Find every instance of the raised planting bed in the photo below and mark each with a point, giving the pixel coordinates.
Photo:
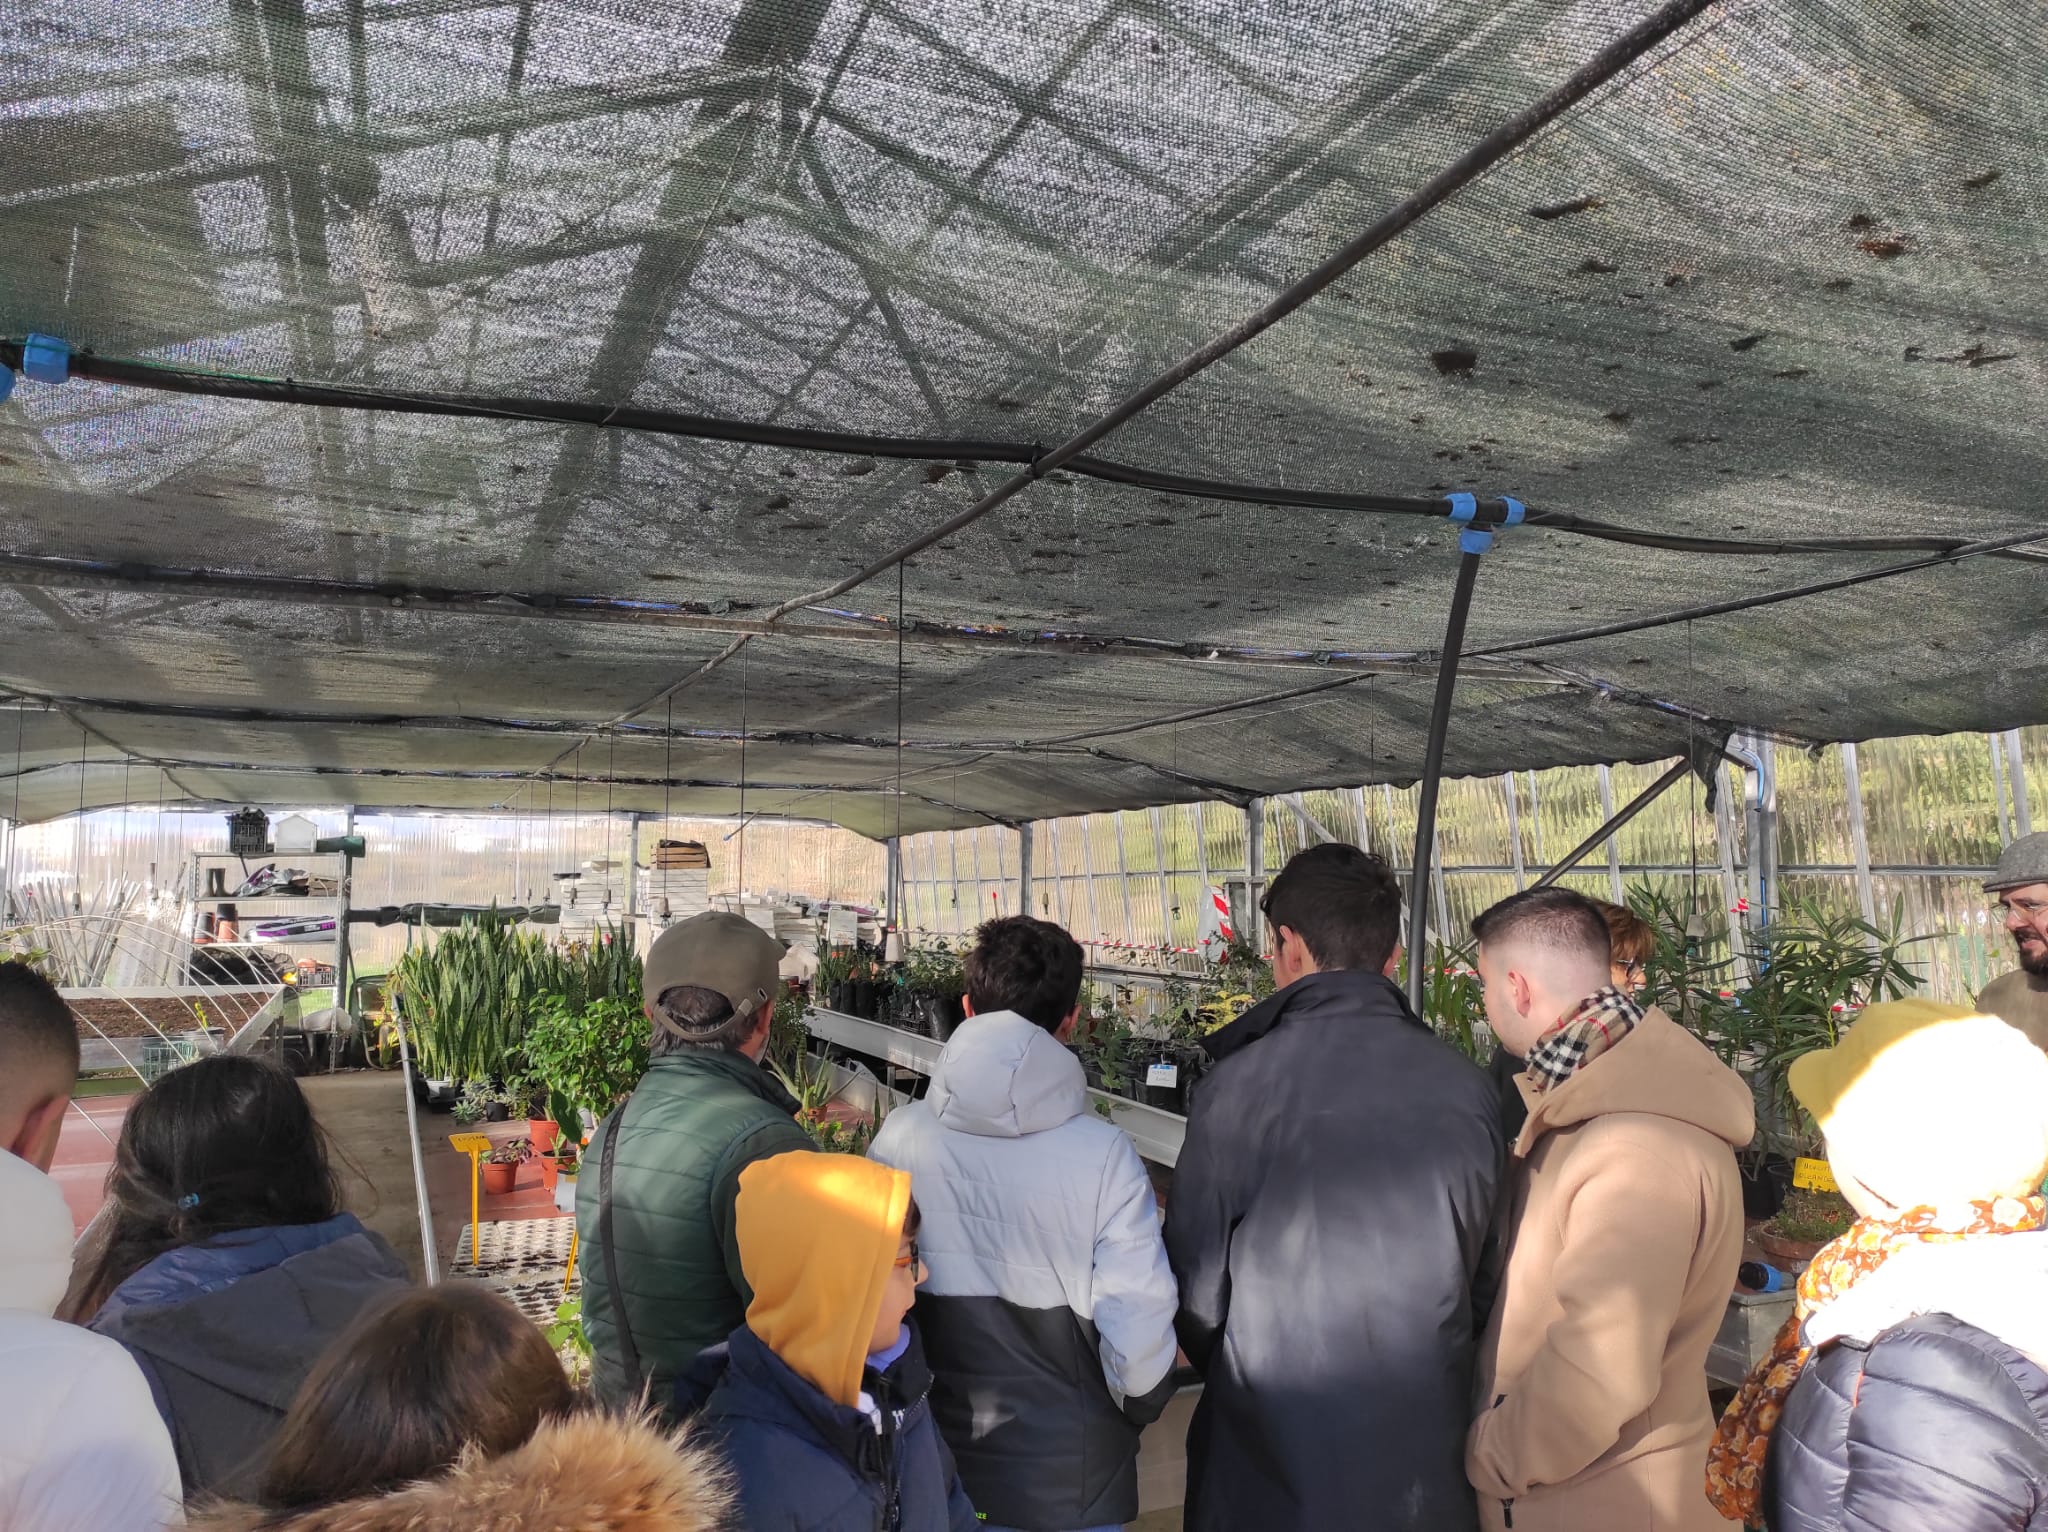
(108, 1014)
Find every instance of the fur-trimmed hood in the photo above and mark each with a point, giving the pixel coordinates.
(590, 1473)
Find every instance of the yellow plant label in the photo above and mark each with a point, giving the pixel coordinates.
(1813, 1176)
(469, 1143)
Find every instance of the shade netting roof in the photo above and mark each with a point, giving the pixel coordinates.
(1779, 282)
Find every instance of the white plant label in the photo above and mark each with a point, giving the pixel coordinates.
(1167, 1075)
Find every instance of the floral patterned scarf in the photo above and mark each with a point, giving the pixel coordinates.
(1735, 1462)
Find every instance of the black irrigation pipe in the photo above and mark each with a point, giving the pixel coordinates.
(1468, 167)
(1986, 548)
(962, 452)
(1433, 772)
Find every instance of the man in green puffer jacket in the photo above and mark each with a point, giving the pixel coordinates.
(654, 1206)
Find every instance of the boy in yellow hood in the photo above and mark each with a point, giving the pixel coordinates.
(818, 1401)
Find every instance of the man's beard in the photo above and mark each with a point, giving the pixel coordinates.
(2035, 959)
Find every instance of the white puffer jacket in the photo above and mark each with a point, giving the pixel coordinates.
(1048, 1314)
(84, 1447)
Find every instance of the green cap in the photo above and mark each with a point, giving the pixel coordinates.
(727, 954)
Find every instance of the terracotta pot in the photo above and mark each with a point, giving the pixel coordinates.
(1792, 1253)
(543, 1133)
(498, 1179)
(548, 1171)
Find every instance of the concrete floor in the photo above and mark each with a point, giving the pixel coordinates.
(364, 1115)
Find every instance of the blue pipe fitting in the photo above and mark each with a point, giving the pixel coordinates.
(46, 359)
(6, 383)
(1465, 513)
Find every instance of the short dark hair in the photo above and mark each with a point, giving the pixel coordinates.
(36, 1026)
(1554, 917)
(1343, 902)
(1029, 966)
(418, 1379)
(695, 1019)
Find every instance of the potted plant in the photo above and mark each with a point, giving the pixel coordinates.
(591, 1055)
(936, 978)
(468, 1109)
(1812, 972)
(829, 985)
(566, 1162)
(501, 1166)
(811, 1080)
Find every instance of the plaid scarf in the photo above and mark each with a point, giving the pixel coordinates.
(1735, 1461)
(1602, 1020)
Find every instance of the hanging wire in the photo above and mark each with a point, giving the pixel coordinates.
(741, 832)
(668, 773)
(896, 887)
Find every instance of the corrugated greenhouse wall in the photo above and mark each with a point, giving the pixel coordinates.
(1935, 813)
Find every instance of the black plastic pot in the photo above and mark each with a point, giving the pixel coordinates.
(1167, 1098)
(863, 1000)
(497, 1111)
(1766, 1182)
(839, 997)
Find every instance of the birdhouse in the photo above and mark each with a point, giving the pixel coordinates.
(294, 832)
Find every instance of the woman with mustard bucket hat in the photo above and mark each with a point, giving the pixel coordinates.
(1910, 1388)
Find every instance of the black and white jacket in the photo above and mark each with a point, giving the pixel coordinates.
(1048, 1315)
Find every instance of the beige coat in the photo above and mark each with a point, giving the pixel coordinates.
(1626, 1229)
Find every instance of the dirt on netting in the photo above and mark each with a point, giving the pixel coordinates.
(118, 1018)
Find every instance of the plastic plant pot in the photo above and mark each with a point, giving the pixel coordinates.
(544, 1134)
(499, 1179)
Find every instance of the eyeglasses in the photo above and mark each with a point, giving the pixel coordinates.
(2026, 909)
(912, 1260)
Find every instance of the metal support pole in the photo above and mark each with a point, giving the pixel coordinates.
(1309, 822)
(892, 898)
(1123, 880)
(1615, 821)
(1998, 797)
(1158, 821)
(1724, 840)
(1514, 803)
(1605, 773)
(1027, 833)
(2016, 784)
(632, 865)
(1255, 872)
(1859, 840)
(343, 884)
(1364, 819)
(1433, 772)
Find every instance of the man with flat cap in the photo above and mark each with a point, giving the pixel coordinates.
(654, 1205)
(2020, 883)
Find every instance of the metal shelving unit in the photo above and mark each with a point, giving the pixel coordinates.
(1157, 1134)
(252, 910)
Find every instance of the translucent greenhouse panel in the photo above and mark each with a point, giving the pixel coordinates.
(1930, 802)
(1471, 825)
(1966, 946)
(1813, 811)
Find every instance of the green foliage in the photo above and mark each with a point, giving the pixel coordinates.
(936, 972)
(590, 1057)
(467, 1110)
(567, 1329)
(515, 1151)
(1106, 1041)
(834, 967)
(1454, 1000)
(471, 997)
(810, 1078)
(1811, 972)
(1810, 1215)
(467, 996)
(787, 1034)
(841, 1137)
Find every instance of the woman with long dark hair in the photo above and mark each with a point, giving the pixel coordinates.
(229, 1263)
(442, 1407)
